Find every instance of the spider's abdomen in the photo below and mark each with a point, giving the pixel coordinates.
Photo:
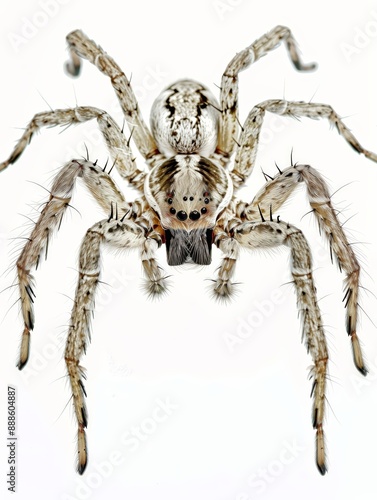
(184, 119)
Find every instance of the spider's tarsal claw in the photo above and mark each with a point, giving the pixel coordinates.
(72, 69)
(73, 66)
(322, 468)
(305, 67)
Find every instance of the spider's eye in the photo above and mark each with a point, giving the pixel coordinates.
(194, 215)
(172, 210)
(204, 210)
(170, 201)
(181, 215)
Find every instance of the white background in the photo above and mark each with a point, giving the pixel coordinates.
(236, 414)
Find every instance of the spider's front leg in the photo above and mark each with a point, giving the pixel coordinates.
(121, 234)
(268, 234)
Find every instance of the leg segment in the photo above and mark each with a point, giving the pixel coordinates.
(265, 234)
(229, 84)
(104, 191)
(275, 193)
(81, 46)
(246, 153)
(114, 138)
(230, 247)
(119, 234)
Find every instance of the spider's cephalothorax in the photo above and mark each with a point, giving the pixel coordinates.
(188, 191)
(187, 202)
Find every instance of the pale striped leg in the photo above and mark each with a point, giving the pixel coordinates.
(156, 282)
(228, 131)
(116, 142)
(224, 287)
(119, 234)
(248, 141)
(81, 46)
(267, 234)
(104, 191)
(270, 198)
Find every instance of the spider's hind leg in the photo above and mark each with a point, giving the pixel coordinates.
(117, 233)
(267, 234)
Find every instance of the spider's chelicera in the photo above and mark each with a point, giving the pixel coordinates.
(187, 202)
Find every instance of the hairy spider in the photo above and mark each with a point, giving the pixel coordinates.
(187, 202)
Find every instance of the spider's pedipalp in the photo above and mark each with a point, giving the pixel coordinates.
(223, 288)
(156, 283)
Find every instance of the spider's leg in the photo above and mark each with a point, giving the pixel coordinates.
(276, 192)
(156, 281)
(119, 234)
(248, 141)
(103, 190)
(224, 287)
(253, 235)
(81, 46)
(116, 142)
(228, 131)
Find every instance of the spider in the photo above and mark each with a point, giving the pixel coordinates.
(187, 203)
